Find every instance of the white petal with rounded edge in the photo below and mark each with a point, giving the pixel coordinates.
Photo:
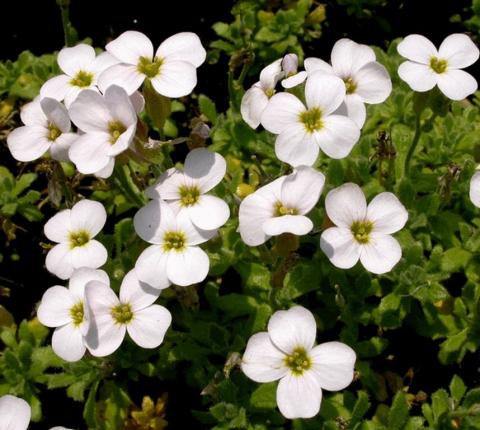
(419, 76)
(88, 215)
(28, 143)
(72, 60)
(456, 84)
(348, 57)
(282, 112)
(188, 267)
(417, 48)
(270, 75)
(355, 109)
(459, 50)
(89, 152)
(15, 413)
(167, 186)
(333, 364)
(302, 189)
(206, 167)
(56, 87)
(59, 261)
(373, 83)
(313, 64)
(130, 46)
(338, 136)
(294, 80)
(262, 360)
(151, 267)
(254, 102)
(60, 147)
(54, 309)
(67, 343)
(93, 254)
(119, 104)
(175, 79)
(149, 326)
(90, 113)
(123, 75)
(32, 113)
(296, 147)
(81, 277)
(57, 228)
(138, 294)
(102, 62)
(387, 213)
(183, 46)
(299, 396)
(151, 221)
(56, 113)
(123, 142)
(346, 204)
(73, 92)
(138, 102)
(325, 91)
(381, 254)
(340, 247)
(475, 189)
(292, 329)
(107, 171)
(209, 213)
(295, 224)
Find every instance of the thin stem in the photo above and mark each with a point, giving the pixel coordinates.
(413, 145)
(67, 25)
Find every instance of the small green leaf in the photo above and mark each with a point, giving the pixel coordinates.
(398, 413)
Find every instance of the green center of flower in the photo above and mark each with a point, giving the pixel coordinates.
(188, 195)
(361, 231)
(312, 119)
(78, 238)
(438, 65)
(115, 129)
(82, 79)
(122, 314)
(280, 210)
(298, 361)
(350, 85)
(148, 67)
(76, 312)
(53, 132)
(174, 241)
(269, 92)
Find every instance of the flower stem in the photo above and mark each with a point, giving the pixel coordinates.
(68, 30)
(413, 145)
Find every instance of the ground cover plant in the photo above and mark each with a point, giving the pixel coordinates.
(270, 225)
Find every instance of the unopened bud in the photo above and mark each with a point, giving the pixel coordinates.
(290, 64)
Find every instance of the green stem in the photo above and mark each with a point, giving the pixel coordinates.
(413, 145)
(127, 187)
(67, 25)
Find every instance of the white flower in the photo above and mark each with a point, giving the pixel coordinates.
(174, 256)
(73, 230)
(63, 308)
(475, 189)
(280, 206)
(15, 413)
(302, 131)
(172, 70)
(366, 80)
(47, 128)
(428, 67)
(186, 191)
(110, 318)
(109, 123)
(363, 232)
(290, 69)
(256, 99)
(286, 352)
(81, 69)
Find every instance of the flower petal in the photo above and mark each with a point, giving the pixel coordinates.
(355, 109)
(373, 83)
(418, 76)
(338, 136)
(151, 267)
(90, 151)
(381, 254)
(254, 102)
(130, 46)
(56, 113)
(346, 204)
(262, 360)
(90, 113)
(348, 57)
(188, 267)
(149, 326)
(151, 221)
(302, 189)
(295, 224)
(88, 215)
(183, 46)
(28, 143)
(195, 235)
(296, 147)
(270, 75)
(57, 228)
(123, 142)
(456, 84)
(32, 113)
(475, 189)
(102, 62)
(292, 329)
(175, 79)
(282, 112)
(123, 75)
(93, 254)
(209, 213)
(325, 91)
(60, 147)
(313, 64)
(294, 80)
(72, 60)
(54, 309)
(15, 413)
(459, 51)
(417, 48)
(119, 104)
(106, 171)
(206, 167)
(138, 294)
(333, 364)
(81, 277)
(67, 343)
(59, 261)
(167, 186)
(56, 87)
(340, 247)
(387, 213)
(299, 396)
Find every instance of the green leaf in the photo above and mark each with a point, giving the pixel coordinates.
(398, 413)
(440, 403)
(158, 107)
(23, 183)
(455, 259)
(360, 409)
(265, 396)
(207, 107)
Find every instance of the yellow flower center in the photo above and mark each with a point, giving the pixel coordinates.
(361, 231)
(312, 120)
(438, 65)
(78, 238)
(174, 241)
(298, 361)
(115, 129)
(76, 312)
(280, 210)
(122, 314)
(188, 195)
(269, 92)
(82, 79)
(350, 85)
(53, 132)
(148, 67)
